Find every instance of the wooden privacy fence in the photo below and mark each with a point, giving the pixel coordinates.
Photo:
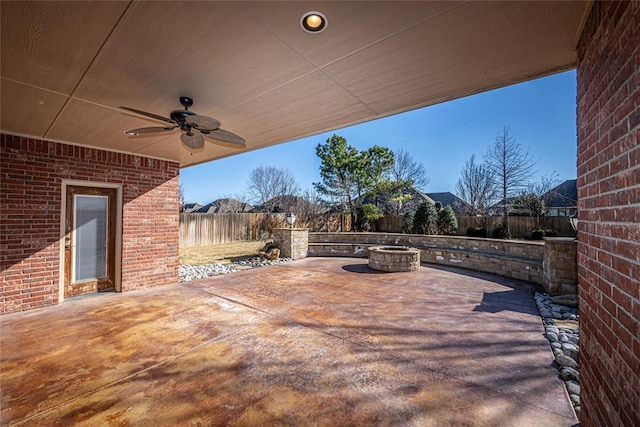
(197, 229)
(518, 225)
(209, 229)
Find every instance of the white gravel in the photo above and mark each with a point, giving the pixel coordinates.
(192, 272)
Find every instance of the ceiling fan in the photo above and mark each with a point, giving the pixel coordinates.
(192, 125)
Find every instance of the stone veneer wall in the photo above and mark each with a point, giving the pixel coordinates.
(518, 259)
(609, 214)
(292, 242)
(31, 175)
(523, 249)
(560, 265)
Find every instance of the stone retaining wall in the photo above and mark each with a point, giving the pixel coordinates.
(523, 260)
(516, 248)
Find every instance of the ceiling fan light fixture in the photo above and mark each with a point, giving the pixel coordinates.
(313, 22)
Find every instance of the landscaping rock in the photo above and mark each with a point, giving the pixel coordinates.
(193, 272)
(570, 350)
(573, 387)
(568, 374)
(566, 362)
(570, 300)
(575, 399)
(552, 337)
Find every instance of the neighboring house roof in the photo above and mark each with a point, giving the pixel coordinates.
(225, 206)
(288, 203)
(190, 207)
(412, 204)
(563, 196)
(449, 199)
(496, 209)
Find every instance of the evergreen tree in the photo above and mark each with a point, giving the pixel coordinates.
(425, 220)
(348, 175)
(447, 221)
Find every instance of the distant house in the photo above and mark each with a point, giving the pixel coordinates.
(288, 203)
(190, 207)
(496, 209)
(401, 207)
(562, 200)
(225, 206)
(559, 201)
(418, 197)
(449, 199)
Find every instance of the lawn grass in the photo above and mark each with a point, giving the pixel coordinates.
(222, 253)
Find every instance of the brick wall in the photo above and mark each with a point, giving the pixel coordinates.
(31, 175)
(609, 214)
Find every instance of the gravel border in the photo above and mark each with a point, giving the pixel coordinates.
(193, 272)
(564, 343)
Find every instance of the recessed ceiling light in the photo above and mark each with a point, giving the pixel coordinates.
(313, 22)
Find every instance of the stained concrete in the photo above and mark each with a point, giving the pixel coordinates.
(316, 341)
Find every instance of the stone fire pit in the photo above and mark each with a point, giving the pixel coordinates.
(394, 258)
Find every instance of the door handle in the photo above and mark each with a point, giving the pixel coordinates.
(67, 242)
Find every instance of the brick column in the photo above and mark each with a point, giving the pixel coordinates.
(292, 242)
(560, 265)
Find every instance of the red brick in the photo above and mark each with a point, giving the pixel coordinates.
(608, 178)
(30, 194)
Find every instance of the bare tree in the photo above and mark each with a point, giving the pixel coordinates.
(313, 203)
(406, 174)
(511, 168)
(267, 182)
(543, 186)
(475, 187)
(406, 169)
(182, 197)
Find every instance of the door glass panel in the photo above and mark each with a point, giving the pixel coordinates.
(90, 222)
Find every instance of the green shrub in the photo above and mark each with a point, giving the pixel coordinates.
(447, 221)
(407, 222)
(500, 232)
(551, 233)
(476, 232)
(367, 213)
(425, 220)
(537, 234)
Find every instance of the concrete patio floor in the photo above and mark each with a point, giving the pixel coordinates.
(318, 341)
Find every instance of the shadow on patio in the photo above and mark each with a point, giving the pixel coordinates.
(308, 342)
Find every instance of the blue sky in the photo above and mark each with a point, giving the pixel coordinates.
(541, 115)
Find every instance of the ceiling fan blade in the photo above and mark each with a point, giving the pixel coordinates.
(203, 122)
(192, 140)
(153, 116)
(134, 132)
(225, 136)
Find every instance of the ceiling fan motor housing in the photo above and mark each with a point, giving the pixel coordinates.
(179, 115)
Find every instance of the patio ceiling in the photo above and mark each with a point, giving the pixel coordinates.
(67, 66)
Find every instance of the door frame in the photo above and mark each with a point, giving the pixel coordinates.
(118, 230)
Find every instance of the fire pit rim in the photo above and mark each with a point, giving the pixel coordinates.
(392, 249)
(394, 258)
